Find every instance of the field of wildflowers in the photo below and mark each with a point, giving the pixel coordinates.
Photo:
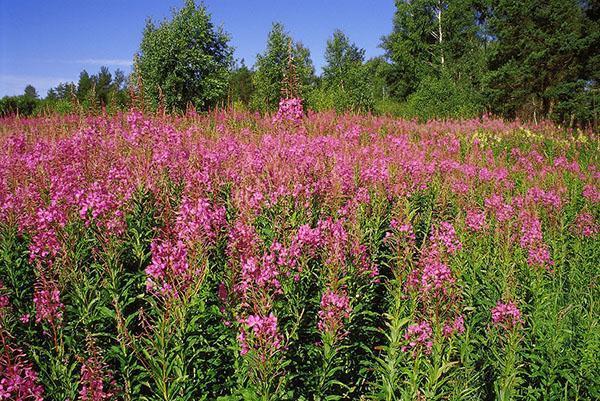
(233, 256)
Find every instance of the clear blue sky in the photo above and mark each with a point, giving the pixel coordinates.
(44, 42)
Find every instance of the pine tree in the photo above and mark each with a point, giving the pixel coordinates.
(30, 92)
(84, 85)
(103, 85)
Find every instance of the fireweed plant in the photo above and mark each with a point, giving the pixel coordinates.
(297, 256)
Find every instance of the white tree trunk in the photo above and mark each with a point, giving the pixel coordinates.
(440, 32)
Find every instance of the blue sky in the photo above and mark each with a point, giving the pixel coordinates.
(44, 42)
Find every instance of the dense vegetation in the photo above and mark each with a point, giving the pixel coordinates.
(526, 59)
(231, 256)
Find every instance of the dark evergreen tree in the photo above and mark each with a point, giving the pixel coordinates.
(84, 85)
(540, 60)
(241, 86)
(30, 92)
(103, 85)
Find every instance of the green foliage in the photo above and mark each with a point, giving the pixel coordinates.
(92, 94)
(352, 94)
(57, 106)
(442, 98)
(341, 57)
(84, 85)
(63, 91)
(346, 83)
(271, 66)
(539, 60)
(184, 61)
(519, 58)
(430, 37)
(241, 87)
(30, 92)
(22, 105)
(378, 71)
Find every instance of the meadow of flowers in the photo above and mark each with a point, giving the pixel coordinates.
(233, 256)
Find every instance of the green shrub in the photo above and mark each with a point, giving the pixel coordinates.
(442, 98)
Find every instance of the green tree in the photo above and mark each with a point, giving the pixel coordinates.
(118, 90)
(378, 70)
(345, 83)
(30, 92)
(62, 91)
(119, 82)
(341, 56)
(84, 85)
(271, 67)
(434, 36)
(184, 60)
(241, 86)
(103, 85)
(443, 97)
(544, 61)
(23, 105)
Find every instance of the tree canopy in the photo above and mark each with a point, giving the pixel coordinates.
(271, 66)
(185, 60)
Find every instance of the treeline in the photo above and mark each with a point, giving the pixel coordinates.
(92, 93)
(523, 59)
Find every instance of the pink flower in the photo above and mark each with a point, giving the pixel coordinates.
(446, 236)
(18, 380)
(432, 278)
(307, 238)
(169, 266)
(475, 220)
(531, 231)
(243, 241)
(92, 380)
(335, 308)
(4, 302)
(455, 327)
(591, 193)
(46, 298)
(257, 273)
(532, 241)
(335, 241)
(495, 204)
(199, 220)
(289, 110)
(44, 244)
(585, 225)
(435, 276)
(419, 338)
(402, 231)
(259, 333)
(539, 256)
(506, 315)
